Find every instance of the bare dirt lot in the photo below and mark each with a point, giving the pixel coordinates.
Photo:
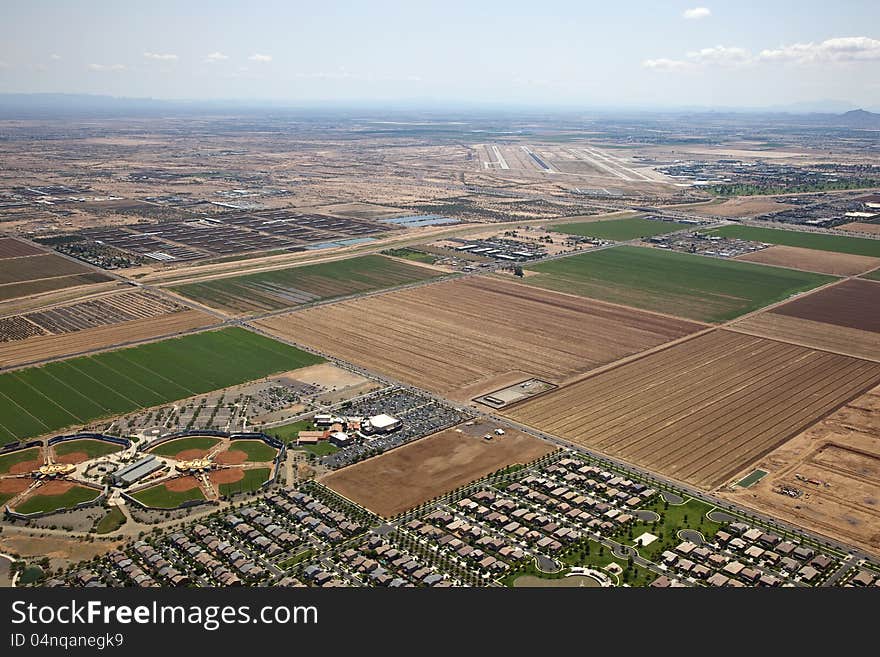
(405, 477)
(824, 262)
(704, 409)
(841, 457)
(60, 550)
(817, 335)
(55, 346)
(852, 304)
(448, 336)
(858, 227)
(13, 248)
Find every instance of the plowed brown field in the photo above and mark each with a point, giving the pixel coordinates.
(447, 336)
(704, 409)
(824, 262)
(853, 304)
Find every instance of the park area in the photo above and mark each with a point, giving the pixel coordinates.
(405, 477)
(77, 451)
(681, 284)
(55, 495)
(186, 449)
(284, 288)
(170, 494)
(39, 400)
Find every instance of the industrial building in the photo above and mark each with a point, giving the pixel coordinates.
(129, 474)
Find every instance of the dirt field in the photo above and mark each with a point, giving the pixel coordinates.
(448, 336)
(27, 466)
(60, 550)
(859, 227)
(73, 457)
(853, 304)
(824, 262)
(55, 346)
(181, 484)
(191, 455)
(747, 206)
(840, 453)
(13, 248)
(704, 409)
(54, 488)
(817, 335)
(407, 476)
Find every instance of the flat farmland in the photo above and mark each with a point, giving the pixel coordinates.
(824, 262)
(13, 248)
(820, 241)
(852, 304)
(453, 334)
(44, 347)
(284, 288)
(817, 335)
(842, 451)
(858, 227)
(37, 400)
(692, 286)
(704, 409)
(620, 229)
(39, 286)
(415, 473)
(18, 270)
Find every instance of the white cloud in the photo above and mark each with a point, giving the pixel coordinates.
(161, 57)
(257, 57)
(721, 56)
(101, 68)
(215, 57)
(840, 49)
(55, 58)
(667, 65)
(696, 13)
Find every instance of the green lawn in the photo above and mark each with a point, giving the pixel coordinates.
(172, 447)
(290, 431)
(690, 515)
(253, 479)
(257, 451)
(30, 575)
(160, 497)
(93, 448)
(294, 286)
(39, 400)
(873, 275)
(111, 522)
(752, 478)
(21, 456)
(620, 230)
(66, 500)
(596, 556)
(323, 448)
(691, 286)
(817, 241)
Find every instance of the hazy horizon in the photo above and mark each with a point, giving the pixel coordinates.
(560, 54)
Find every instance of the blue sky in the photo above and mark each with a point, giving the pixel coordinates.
(547, 52)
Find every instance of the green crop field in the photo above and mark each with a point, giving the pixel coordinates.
(817, 241)
(620, 230)
(21, 456)
(70, 498)
(252, 480)
(173, 447)
(39, 400)
(92, 448)
(257, 451)
(284, 288)
(691, 286)
(159, 497)
(412, 254)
